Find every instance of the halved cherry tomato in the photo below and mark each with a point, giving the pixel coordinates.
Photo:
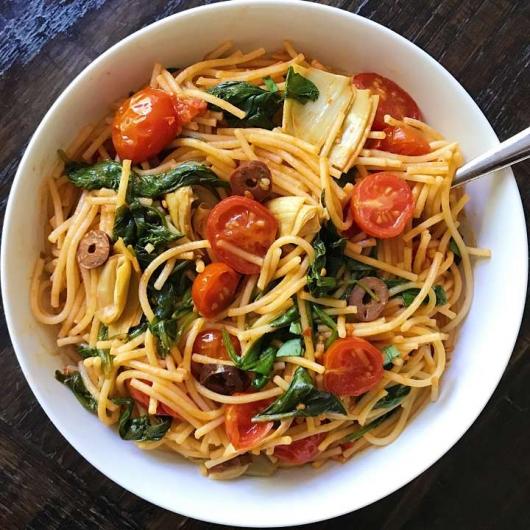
(402, 141)
(301, 451)
(240, 429)
(381, 204)
(147, 121)
(393, 99)
(143, 400)
(210, 343)
(242, 223)
(353, 366)
(214, 289)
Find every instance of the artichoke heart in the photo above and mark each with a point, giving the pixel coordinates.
(296, 216)
(113, 288)
(179, 205)
(315, 120)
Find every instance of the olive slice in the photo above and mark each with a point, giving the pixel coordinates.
(370, 296)
(252, 179)
(223, 379)
(93, 250)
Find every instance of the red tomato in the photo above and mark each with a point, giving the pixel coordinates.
(403, 141)
(353, 366)
(241, 431)
(393, 99)
(245, 224)
(381, 204)
(301, 451)
(143, 400)
(214, 289)
(210, 343)
(146, 122)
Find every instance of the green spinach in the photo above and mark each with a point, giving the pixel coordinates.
(395, 395)
(301, 399)
(390, 353)
(260, 105)
(367, 428)
(104, 354)
(107, 174)
(140, 429)
(75, 383)
(291, 348)
(300, 88)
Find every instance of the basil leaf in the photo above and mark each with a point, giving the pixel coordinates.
(390, 353)
(295, 328)
(395, 395)
(75, 383)
(320, 314)
(260, 105)
(291, 348)
(300, 88)
(270, 84)
(141, 429)
(363, 430)
(301, 399)
(317, 284)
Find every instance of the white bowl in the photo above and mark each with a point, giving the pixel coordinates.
(486, 339)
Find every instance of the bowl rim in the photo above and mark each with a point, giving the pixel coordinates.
(300, 517)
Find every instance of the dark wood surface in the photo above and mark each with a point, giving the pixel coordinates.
(483, 482)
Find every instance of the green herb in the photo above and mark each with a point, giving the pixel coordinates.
(291, 348)
(143, 428)
(320, 314)
(258, 359)
(143, 227)
(390, 353)
(299, 87)
(318, 284)
(75, 383)
(301, 399)
(290, 316)
(453, 247)
(259, 105)
(395, 395)
(170, 304)
(104, 354)
(409, 295)
(270, 84)
(107, 174)
(295, 328)
(136, 331)
(363, 430)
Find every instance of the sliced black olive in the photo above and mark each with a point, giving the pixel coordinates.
(252, 179)
(223, 379)
(370, 296)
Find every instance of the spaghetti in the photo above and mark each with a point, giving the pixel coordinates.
(316, 327)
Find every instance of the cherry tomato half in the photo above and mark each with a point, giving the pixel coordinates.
(147, 121)
(353, 366)
(242, 223)
(403, 141)
(214, 289)
(143, 400)
(240, 429)
(382, 204)
(393, 99)
(301, 451)
(210, 343)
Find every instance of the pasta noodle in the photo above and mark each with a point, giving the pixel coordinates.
(170, 373)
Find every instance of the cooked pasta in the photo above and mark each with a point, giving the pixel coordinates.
(263, 269)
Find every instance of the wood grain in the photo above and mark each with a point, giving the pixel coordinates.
(482, 483)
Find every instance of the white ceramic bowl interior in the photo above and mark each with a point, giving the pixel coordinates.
(299, 496)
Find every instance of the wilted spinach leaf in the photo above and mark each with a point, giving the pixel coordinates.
(395, 395)
(74, 382)
(366, 428)
(299, 87)
(143, 428)
(301, 399)
(260, 105)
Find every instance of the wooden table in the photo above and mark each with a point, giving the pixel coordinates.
(483, 482)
